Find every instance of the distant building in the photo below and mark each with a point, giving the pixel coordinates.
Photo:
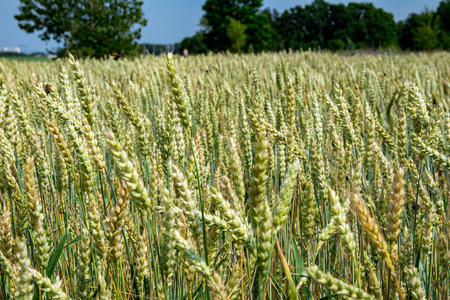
(10, 49)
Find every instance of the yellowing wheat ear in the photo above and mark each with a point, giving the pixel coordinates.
(377, 240)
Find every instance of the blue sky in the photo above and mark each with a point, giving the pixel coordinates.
(169, 21)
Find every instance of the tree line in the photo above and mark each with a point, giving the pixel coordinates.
(97, 28)
(242, 26)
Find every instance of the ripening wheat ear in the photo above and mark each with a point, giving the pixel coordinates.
(128, 173)
(179, 94)
(168, 241)
(339, 212)
(9, 271)
(36, 215)
(116, 220)
(187, 202)
(3, 95)
(240, 230)
(284, 201)
(372, 229)
(418, 109)
(83, 274)
(395, 216)
(258, 188)
(24, 289)
(308, 206)
(337, 286)
(86, 98)
(94, 149)
(136, 118)
(52, 288)
(217, 287)
(260, 214)
(236, 171)
(95, 223)
(194, 259)
(6, 239)
(415, 284)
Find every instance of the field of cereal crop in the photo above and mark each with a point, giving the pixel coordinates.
(275, 176)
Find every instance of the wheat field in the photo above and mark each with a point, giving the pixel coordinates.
(272, 176)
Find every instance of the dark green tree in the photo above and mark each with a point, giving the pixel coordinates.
(443, 12)
(323, 25)
(86, 27)
(314, 23)
(288, 26)
(303, 28)
(339, 29)
(195, 44)
(405, 31)
(217, 17)
(371, 27)
(273, 40)
(426, 35)
(420, 31)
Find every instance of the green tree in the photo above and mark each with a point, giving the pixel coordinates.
(236, 34)
(288, 26)
(335, 26)
(303, 27)
(216, 20)
(273, 40)
(372, 27)
(195, 44)
(339, 28)
(86, 27)
(443, 12)
(422, 32)
(406, 31)
(426, 33)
